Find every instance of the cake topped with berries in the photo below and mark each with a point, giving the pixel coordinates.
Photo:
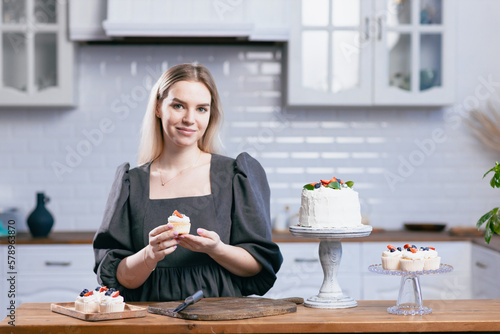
(330, 204)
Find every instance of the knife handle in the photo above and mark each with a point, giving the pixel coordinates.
(197, 296)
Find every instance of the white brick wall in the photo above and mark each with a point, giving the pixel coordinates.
(296, 146)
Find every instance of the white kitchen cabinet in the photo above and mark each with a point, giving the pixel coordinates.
(301, 274)
(36, 56)
(255, 20)
(365, 52)
(53, 273)
(485, 267)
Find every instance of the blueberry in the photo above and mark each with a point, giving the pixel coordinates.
(413, 246)
(399, 249)
(426, 248)
(392, 250)
(112, 289)
(108, 293)
(98, 288)
(409, 249)
(83, 292)
(317, 185)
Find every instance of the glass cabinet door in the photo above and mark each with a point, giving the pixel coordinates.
(34, 48)
(411, 51)
(330, 53)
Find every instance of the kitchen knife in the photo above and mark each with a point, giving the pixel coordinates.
(189, 300)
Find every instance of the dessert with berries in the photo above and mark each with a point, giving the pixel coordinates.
(432, 260)
(87, 302)
(330, 204)
(181, 222)
(111, 302)
(412, 258)
(99, 291)
(391, 257)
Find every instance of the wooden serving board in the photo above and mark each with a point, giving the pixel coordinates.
(226, 308)
(130, 311)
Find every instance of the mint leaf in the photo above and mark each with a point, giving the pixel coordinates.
(309, 187)
(350, 184)
(334, 185)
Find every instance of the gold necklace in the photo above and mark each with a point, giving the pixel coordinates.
(163, 183)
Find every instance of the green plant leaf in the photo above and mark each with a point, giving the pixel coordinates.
(350, 184)
(484, 218)
(488, 234)
(334, 185)
(491, 170)
(309, 187)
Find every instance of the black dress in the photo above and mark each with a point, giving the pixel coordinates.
(237, 209)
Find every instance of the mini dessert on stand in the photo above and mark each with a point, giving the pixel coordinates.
(391, 257)
(410, 258)
(330, 211)
(181, 222)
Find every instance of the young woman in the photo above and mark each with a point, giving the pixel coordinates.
(227, 200)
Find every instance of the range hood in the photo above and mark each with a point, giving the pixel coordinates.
(255, 20)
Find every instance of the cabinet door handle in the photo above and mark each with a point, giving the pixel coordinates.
(57, 263)
(306, 260)
(379, 32)
(481, 265)
(367, 28)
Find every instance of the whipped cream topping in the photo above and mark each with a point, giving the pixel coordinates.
(388, 253)
(88, 299)
(175, 219)
(419, 255)
(112, 300)
(430, 254)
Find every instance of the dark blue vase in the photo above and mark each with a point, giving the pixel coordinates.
(40, 221)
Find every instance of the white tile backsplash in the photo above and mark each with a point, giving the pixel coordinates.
(434, 180)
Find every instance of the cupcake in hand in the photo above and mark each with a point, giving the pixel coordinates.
(181, 222)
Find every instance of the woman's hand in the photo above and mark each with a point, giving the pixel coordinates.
(162, 242)
(207, 241)
(235, 259)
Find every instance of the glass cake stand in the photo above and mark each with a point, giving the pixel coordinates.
(330, 254)
(410, 294)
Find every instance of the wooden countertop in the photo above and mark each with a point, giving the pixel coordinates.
(86, 237)
(369, 316)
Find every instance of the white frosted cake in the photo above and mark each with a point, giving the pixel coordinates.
(330, 204)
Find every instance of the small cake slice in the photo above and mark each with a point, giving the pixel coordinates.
(432, 260)
(111, 302)
(87, 302)
(412, 259)
(391, 257)
(181, 222)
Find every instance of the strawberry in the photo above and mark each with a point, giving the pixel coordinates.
(90, 293)
(413, 250)
(103, 289)
(407, 246)
(432, 248)
(325, 182)
(176, 213)
(391, 247)
(115, 294)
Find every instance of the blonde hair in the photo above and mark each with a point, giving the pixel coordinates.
(151, 144)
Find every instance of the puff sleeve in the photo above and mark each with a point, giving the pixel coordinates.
(113, 241)
(251, 223)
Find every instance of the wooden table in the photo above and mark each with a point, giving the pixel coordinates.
(369, 316)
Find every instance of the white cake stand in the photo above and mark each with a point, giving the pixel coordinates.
(330, 254)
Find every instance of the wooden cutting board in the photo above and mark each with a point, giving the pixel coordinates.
(228, 308)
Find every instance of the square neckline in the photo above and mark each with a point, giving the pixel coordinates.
(184, 197)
